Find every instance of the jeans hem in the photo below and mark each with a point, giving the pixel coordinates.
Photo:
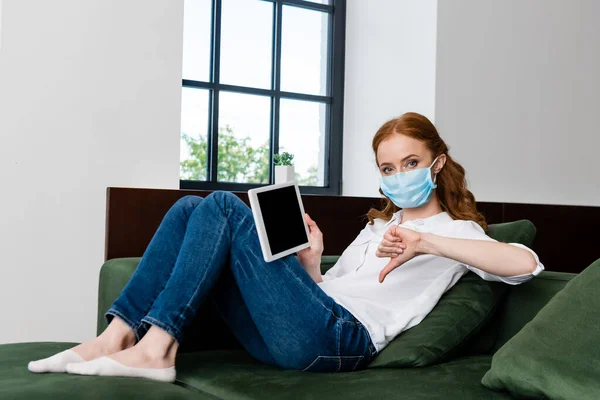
(115, 313)
(171, 331)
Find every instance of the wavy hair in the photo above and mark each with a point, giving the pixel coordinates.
(452, 192)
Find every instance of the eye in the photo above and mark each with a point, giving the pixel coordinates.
(385, 169)
(412, 163)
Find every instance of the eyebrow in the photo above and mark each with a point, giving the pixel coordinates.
(409, 156)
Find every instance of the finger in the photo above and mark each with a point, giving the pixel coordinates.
(311, 221)
(397, 233)
(385, 254)
(395, 245)
(311, 224)
(390, 249)
(387, 243)
(392, 238)
(315, 228)
(384, 244)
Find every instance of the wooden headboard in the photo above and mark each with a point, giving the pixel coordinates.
(563, 242)
(133, 216)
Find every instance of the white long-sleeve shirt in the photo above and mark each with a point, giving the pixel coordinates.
(410, 291)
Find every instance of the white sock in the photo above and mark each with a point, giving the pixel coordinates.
(56, 363)
(106, 366)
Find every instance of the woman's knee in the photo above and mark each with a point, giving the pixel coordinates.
(189, 200)
(226, 200)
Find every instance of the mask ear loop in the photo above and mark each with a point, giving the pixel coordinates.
(432, 164)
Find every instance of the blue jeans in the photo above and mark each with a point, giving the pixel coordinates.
(275, 309)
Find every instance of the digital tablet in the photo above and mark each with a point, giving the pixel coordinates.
(279, 217)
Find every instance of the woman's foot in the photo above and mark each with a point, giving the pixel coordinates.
(106, 366)
(104, 345)
(90, 350)
(133, 362)
(118, 336)
(153, 358)
(55, 363)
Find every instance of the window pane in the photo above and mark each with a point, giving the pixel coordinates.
(302, 132)
(246, 43)
(244, 128)
(196, 40)
(194, 134)
(328, 2)
(304, 51)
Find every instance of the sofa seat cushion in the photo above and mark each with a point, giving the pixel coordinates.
(234, 374)
(17, 383)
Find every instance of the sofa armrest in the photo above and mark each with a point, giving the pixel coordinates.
(208, 331)
(114, 275)
(524, 301)
(521, 305)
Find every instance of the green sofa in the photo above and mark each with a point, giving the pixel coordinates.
(212, 364)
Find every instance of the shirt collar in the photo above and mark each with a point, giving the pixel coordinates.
(429, 221)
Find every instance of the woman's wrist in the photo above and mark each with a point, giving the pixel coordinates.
(427, 244)
(314, 270)
(314, 265)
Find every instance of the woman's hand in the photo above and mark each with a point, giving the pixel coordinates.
(400, 244)
(310, 258)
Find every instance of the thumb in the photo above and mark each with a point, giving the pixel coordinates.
(386, 270)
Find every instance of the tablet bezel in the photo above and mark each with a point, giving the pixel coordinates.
(260, 226)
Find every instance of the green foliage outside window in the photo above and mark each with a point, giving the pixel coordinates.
(238, 160)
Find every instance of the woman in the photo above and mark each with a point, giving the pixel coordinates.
(285, 313)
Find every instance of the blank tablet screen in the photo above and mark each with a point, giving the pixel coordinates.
(283, 221)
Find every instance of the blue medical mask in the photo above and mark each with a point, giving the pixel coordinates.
(409, 189)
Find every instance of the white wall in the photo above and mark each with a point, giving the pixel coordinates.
(518, 97)
(390, 70)
(89, 98)
(0, 25)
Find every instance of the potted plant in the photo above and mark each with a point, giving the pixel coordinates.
(284, 167)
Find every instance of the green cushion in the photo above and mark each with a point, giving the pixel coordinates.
(458, 316)
(522, 231)
(557, 354)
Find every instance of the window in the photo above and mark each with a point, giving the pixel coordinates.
(262, 77)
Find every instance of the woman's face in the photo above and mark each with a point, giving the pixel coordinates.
(400, 153)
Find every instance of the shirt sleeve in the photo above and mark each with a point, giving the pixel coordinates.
(472, 230)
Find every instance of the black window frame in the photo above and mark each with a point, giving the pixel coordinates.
(334, 98)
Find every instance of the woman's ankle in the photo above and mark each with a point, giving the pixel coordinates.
(118, 335)
(158, 345)
(114, 343)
